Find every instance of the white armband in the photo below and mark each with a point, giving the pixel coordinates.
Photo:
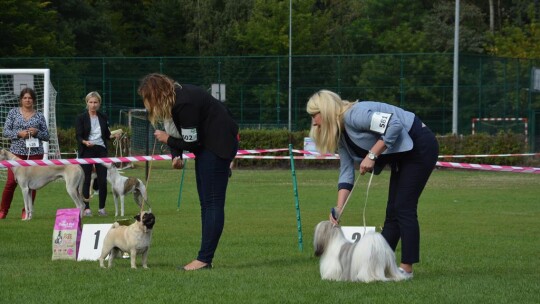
(379, 122)
(189, 135)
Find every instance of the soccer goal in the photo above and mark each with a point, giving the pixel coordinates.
(12, 81)
(492, 125)
(142, 141)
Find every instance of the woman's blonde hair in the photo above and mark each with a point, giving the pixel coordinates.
(157, 92)
(331, 108)
(92, 94)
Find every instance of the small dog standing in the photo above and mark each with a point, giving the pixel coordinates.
(134, 239)
(37, 177)
(122, 185)
(369, 259)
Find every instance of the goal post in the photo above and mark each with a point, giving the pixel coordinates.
(12, 81)
(492, 125)
(142, 139)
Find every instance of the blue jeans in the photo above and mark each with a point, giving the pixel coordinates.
(212, 175)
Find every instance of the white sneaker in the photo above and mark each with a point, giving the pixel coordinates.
(101, 212)
(407, 275)
(87, 212)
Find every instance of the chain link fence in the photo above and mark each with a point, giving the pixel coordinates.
(256, 89)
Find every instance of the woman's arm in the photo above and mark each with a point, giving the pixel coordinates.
(42, 130)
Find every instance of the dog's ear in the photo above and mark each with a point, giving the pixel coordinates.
(137, 217)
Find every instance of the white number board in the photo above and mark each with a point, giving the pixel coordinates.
(352, 233)
(92, 241)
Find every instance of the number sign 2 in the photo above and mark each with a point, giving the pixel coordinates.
(92, 241)
(352, 233)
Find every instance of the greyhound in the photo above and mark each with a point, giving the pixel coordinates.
(37, 177)
(122, 185)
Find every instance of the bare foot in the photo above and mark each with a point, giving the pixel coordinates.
(196, 265)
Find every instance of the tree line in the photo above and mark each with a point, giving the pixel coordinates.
(110, 28)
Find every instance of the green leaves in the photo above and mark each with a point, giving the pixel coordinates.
(29, 28)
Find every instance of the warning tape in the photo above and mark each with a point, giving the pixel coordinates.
(489, 155)
(245, 154)
(80, 161)
(489, 167)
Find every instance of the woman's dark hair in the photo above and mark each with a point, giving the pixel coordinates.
(28, 91)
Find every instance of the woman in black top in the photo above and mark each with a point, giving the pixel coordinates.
(92, 131)
(197, 122)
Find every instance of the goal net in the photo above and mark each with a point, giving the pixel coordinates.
(12, 81)
(142, 141)
(494, 125)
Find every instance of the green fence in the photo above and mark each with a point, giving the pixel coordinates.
(257, 88)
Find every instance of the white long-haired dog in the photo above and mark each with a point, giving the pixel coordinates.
(369, 259)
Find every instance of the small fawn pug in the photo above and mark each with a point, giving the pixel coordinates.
(134, 239)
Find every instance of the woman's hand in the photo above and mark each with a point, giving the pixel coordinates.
(366, 165)
(177, 163)
(32, 131)
(334, 215)
(161, 136)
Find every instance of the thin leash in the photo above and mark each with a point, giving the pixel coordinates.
(347, 200)
(29, 148)
(118, 144)
(145, 197)
(365, 203)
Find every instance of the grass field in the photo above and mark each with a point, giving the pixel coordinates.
(479, 243)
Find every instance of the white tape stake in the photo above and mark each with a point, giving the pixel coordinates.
(92, 241)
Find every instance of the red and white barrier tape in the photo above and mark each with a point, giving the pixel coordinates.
(489, 155)
(489, 167)
(81, 161)
(244, 154)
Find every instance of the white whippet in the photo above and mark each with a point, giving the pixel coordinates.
(123, 185)
(37, 177)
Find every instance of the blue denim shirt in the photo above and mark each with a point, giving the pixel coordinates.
(358, 122)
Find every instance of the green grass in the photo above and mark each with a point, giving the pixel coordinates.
(479, 244)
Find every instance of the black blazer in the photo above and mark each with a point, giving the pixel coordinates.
(217, 131)
(83, 128)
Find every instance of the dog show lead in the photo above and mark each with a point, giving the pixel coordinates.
(373, 134)
(195, 121)
(27, 130)
(93, 133)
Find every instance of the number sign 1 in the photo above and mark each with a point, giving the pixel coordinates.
(92, 241)
(352, 233)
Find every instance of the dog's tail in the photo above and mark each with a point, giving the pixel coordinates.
(140, 195)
